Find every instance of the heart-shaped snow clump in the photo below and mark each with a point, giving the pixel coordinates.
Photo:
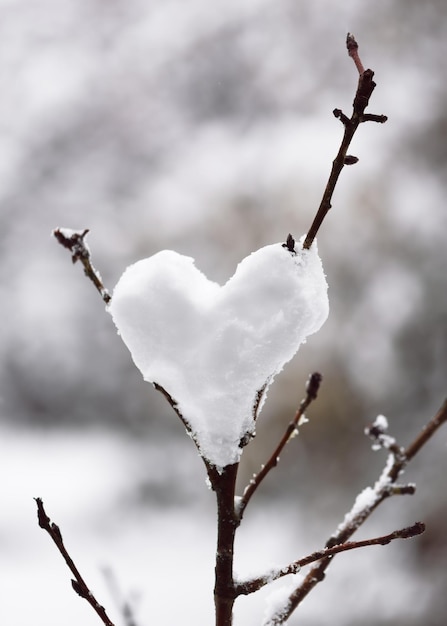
(213, 348)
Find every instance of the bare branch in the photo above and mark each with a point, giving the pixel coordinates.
(78, 583)
(255, 584)
(75, 242)
(427, 432)
(364, 91)
(353, 51)
(312, 387)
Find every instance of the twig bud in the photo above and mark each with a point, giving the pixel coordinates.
(350, 159)
(290, 244)
(313, 385)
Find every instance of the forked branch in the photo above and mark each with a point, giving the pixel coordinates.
(364, 91)
(363, 507)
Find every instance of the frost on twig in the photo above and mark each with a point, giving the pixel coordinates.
(365, 504)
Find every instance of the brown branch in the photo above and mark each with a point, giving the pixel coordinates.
(75, 242)
(78, 583)
(427, 432)
(224, 484)
(255, 584)
(384, 488)
(312, 387)
(364, 91)
(353, 51)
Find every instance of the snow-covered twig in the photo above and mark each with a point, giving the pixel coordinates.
(366, 502)
(312, 387)
(78, 583)
(255, 584)
(364, 91)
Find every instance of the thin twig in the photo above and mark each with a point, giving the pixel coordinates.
(365, 88)
(78, 583)
(384, 488)
(312, 387)
(123, 604)
(75, 242)
(427, 432)
(250, 586)
(353, 51)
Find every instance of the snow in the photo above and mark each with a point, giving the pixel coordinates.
(303, 420)
(381, 423)
(277, 600)
(367, 499)
(215, 349)
(381, 439)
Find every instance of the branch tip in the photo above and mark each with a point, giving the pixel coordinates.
(353, 48)
(78, 583)
(42, 517)
(290, 244)
(351, 43)
(313, 385)
(73, 240)
(371, 117)
(412, 531)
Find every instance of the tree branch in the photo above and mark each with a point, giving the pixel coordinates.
(250, 586)
(78, 583)
(224, 485)
(426, 433)
(364, 91)
(75, 242)
(312, 387)
(363, 507)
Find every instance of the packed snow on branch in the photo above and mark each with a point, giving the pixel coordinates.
(215, 348)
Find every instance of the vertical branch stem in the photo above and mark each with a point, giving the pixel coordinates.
(224, 591)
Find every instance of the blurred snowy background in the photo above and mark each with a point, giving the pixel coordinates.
(207, 128)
